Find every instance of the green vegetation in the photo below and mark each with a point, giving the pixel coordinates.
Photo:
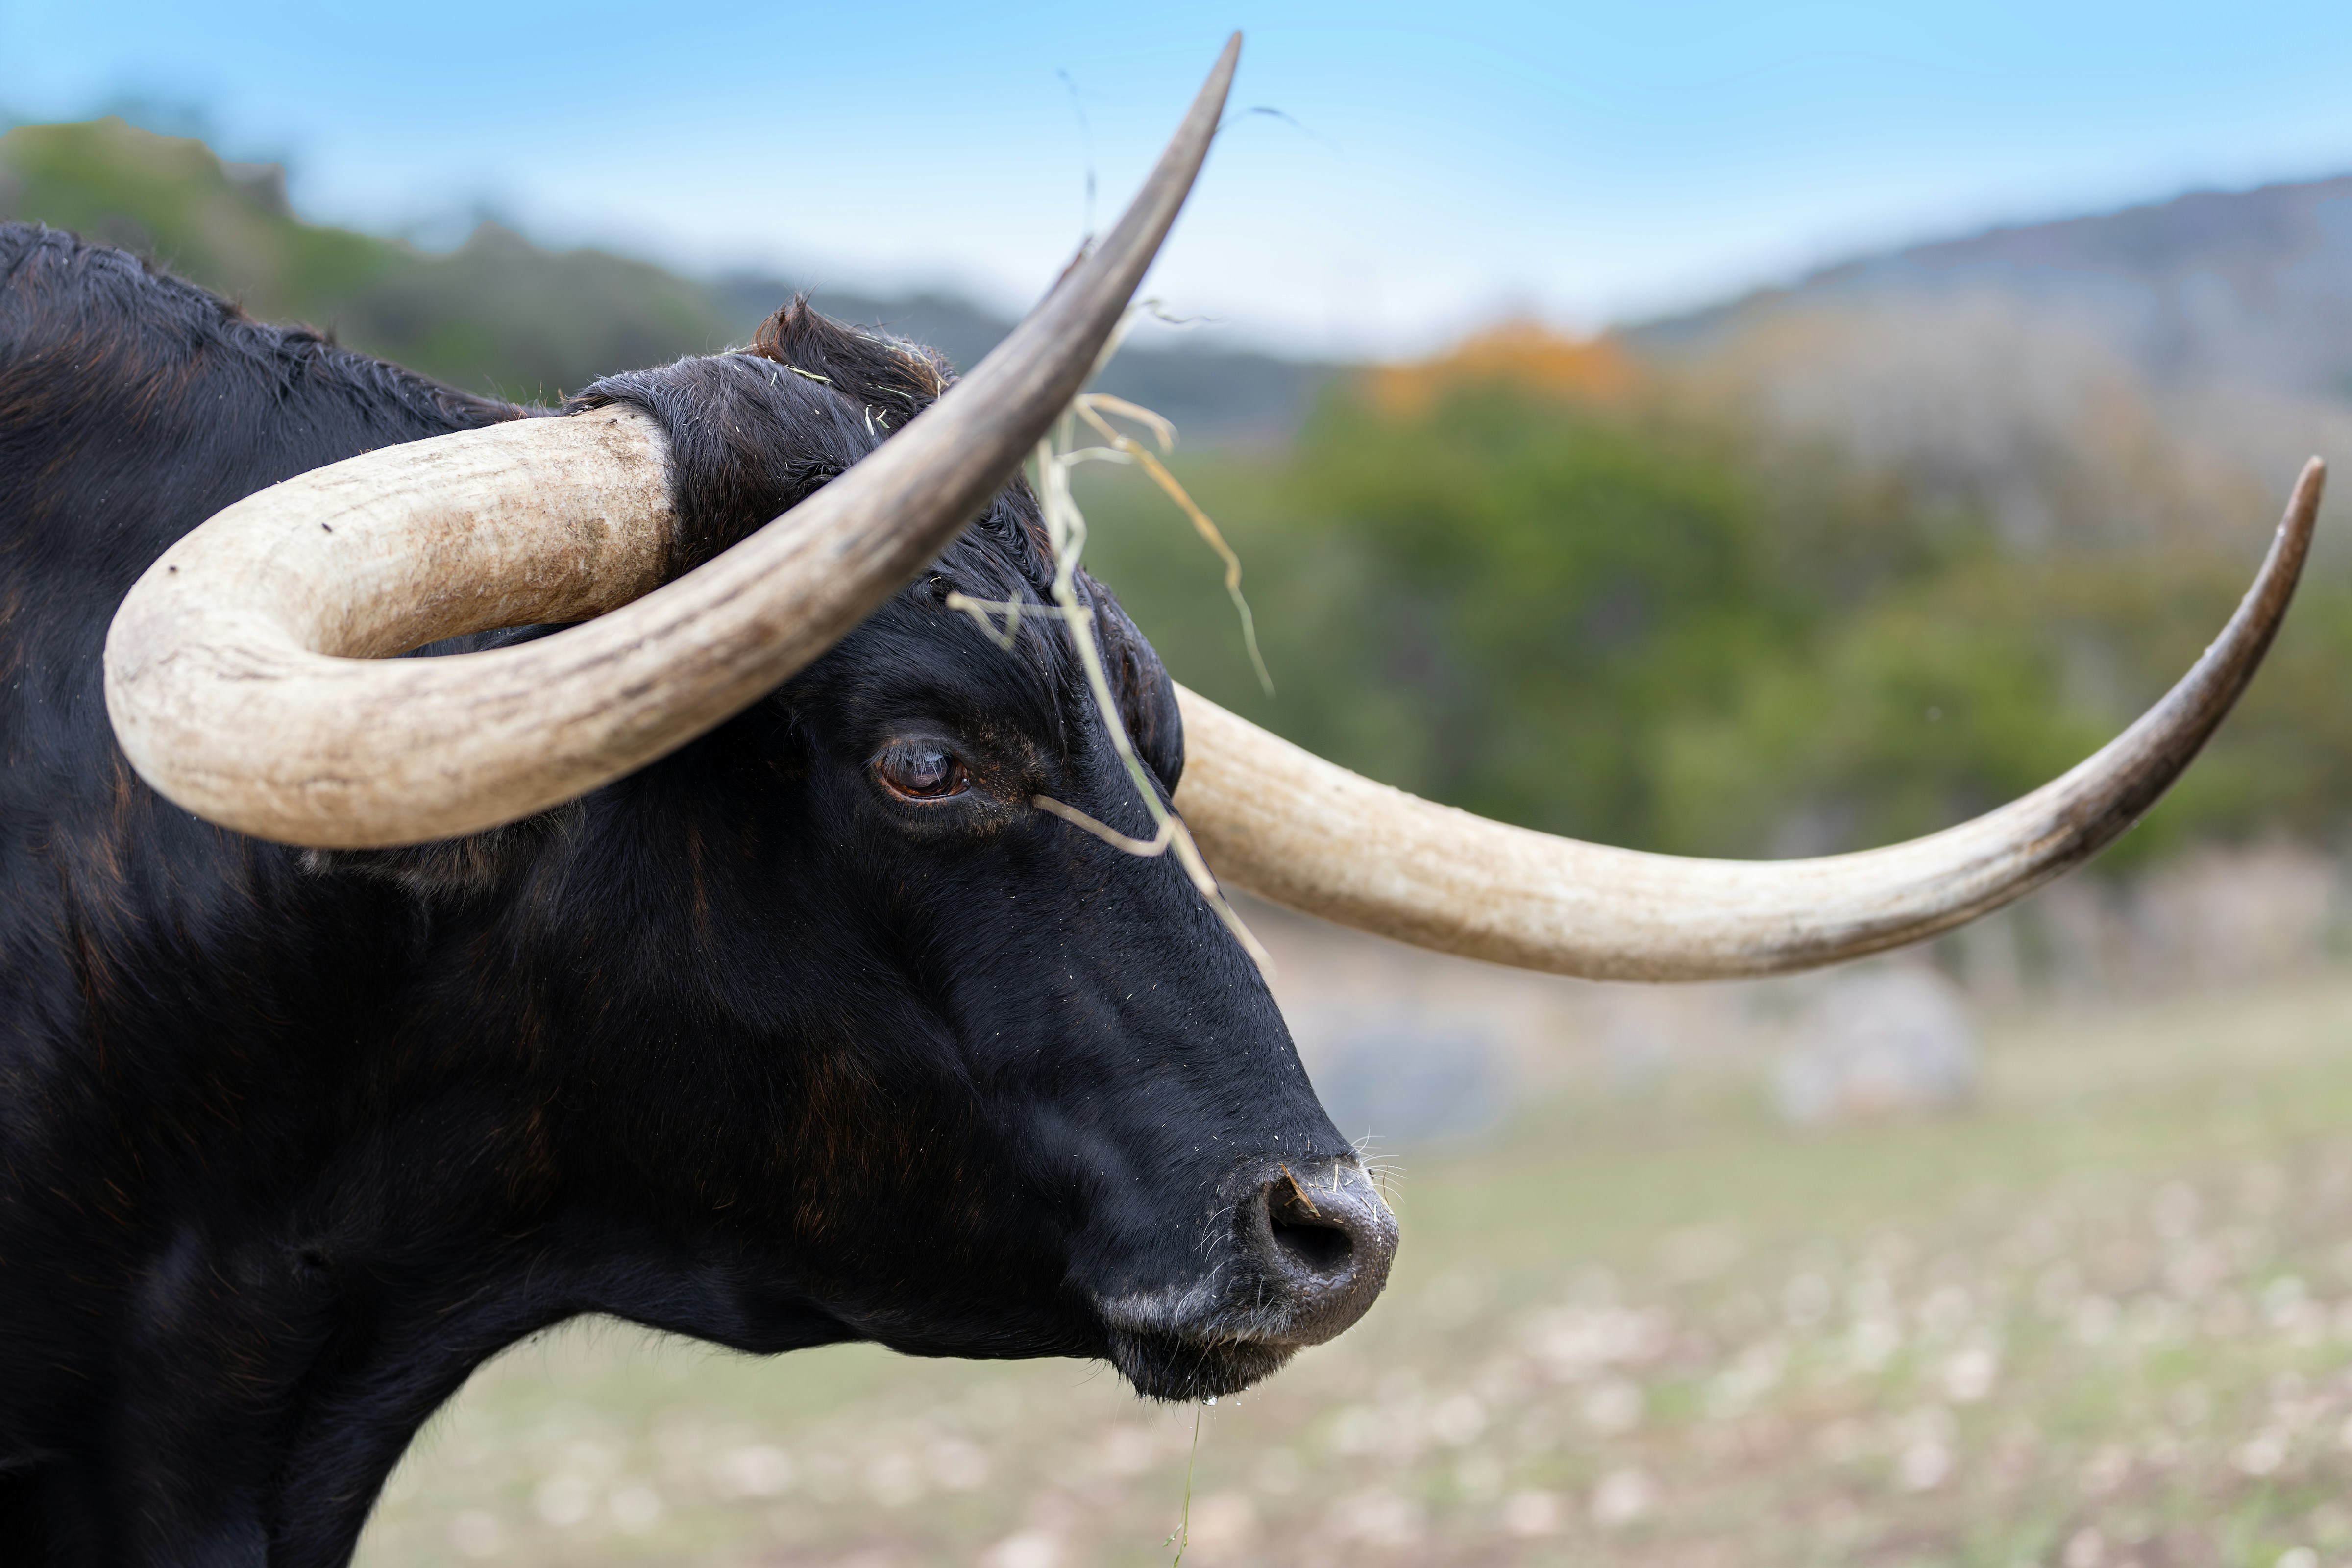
(1611, 610)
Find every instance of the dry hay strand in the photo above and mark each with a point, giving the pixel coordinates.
(1065, 530)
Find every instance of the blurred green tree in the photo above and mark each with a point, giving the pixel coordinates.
(1529, 579)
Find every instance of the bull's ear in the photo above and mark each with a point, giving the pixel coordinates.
(1139, 684)
(890, 379)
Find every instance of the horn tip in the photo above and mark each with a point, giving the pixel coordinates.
(2303, 505)
(1221, 75)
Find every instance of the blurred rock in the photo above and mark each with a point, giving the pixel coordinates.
(1877, 1041)
(2218, 915)
(2212, 916)
(1409, 1083)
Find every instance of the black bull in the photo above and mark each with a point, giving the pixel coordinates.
(814, 1031)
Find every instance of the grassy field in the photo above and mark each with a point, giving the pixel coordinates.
(2102, 1319)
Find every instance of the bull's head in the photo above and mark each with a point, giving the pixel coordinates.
(1074, 1120)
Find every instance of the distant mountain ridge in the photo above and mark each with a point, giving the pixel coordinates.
(2157, 371)
(2254, 286)
(504, 315)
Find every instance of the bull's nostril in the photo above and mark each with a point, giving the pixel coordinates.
(1309, 1239)
(1310, 1246)
(1315, 1248)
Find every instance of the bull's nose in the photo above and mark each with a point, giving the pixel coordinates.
(1325, 1240)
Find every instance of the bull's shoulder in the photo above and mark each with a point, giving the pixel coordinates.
(133, 404)
(110, 322)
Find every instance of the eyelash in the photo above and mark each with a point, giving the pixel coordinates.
(904, 756)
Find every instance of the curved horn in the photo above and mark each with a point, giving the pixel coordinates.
(1289, 826)
(244, 672)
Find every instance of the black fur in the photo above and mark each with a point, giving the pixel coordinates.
(740, 1047)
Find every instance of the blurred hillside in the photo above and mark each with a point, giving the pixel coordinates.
(2102, 379)
(503, 315)
(2251, 287)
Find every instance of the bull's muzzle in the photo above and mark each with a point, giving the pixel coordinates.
(1322, 1238)
(1296, 1252)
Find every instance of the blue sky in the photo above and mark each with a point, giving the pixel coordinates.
(1441, 165)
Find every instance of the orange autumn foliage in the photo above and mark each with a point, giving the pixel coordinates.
(1522, 354)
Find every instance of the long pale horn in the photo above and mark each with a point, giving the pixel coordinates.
(1291, 827)
(244, 672)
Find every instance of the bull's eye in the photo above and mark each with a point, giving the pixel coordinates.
(921, 770)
